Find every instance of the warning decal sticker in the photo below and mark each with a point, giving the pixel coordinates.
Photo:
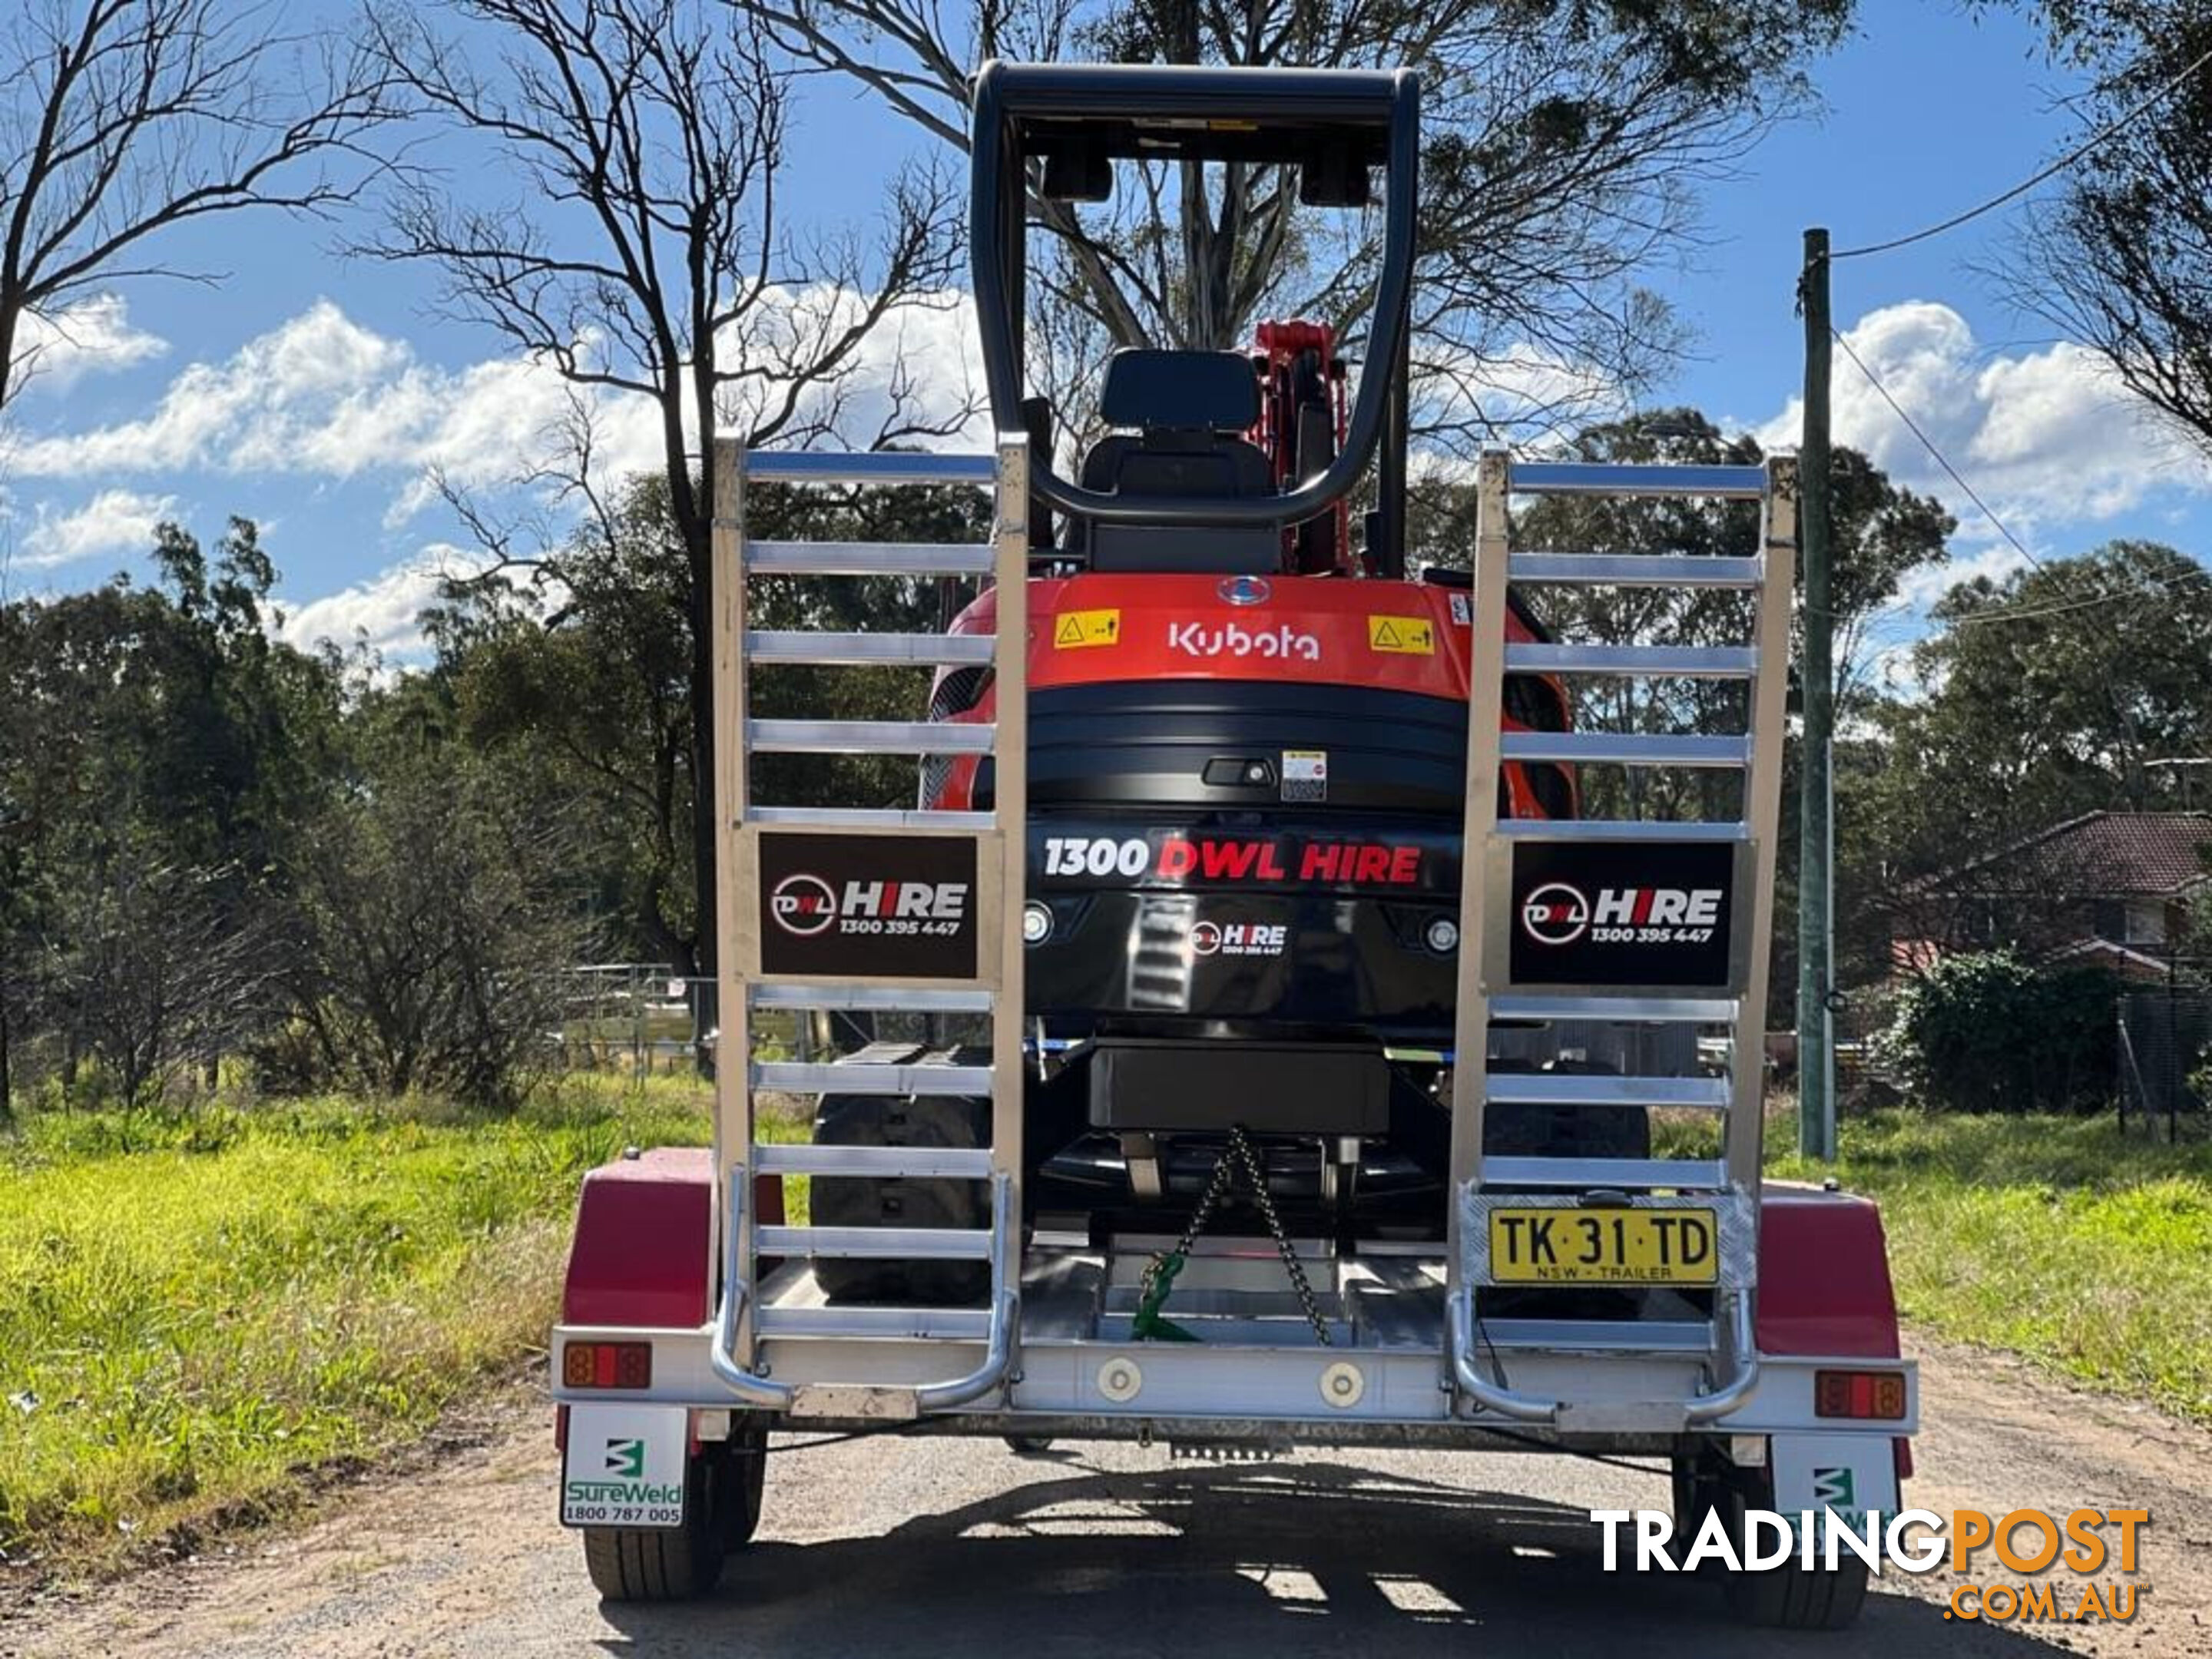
(1411, 636)
(1073, 629)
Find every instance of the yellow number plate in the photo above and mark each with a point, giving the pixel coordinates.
(1603, 1246)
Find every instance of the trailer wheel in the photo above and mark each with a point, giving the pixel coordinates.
(1790, 1596)
(721, 1507)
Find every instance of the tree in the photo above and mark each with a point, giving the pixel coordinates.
(1563, 139)
(594, 686)
(1881, 532)
(152, 967)
(434, 934)
(2042, 695)
(156, 751)
(120, 119)
(2122, 260)
(646, 255)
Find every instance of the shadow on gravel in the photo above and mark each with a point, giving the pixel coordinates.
(1222, 1562)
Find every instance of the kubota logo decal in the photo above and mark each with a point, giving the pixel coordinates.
(805, 905)
(1281, 643)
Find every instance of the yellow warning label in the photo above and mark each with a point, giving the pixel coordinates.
(1412, 636)
(1073, 628)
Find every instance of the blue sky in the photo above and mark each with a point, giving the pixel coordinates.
(310, 392)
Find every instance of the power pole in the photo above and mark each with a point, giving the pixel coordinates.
(1816, 1114)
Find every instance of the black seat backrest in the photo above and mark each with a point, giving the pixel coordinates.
(1191, 410)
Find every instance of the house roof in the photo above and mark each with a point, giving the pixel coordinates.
(2120, 855)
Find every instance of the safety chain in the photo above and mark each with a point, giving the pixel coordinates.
(1160, 1273)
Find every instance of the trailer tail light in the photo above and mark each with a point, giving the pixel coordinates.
(1879, 1395)
(607, 1365)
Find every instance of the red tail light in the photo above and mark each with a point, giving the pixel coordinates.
(1877, 1395)
(607, 1365)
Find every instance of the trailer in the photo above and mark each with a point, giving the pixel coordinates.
(1232, 980)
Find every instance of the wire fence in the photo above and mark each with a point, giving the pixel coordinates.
(642, 1018)
(2165, 1051)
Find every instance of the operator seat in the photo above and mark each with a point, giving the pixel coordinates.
(1190, 410)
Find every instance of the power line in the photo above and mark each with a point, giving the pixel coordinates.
(2004, 613)
(1928, 444)
(2025, 613)
(2094, 139)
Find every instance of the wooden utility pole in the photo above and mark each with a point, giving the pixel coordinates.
(1816, 1111)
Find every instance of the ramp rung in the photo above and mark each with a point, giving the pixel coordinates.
(1649, 1010)
(869, 558)
(1690, 1174)
(1619, 1336)
(1626, 749)
(797, 1078)
(1705, 662)
(884, 1244)
(870, 999)
(879, 1162)
(876, 467)
(868, 817)
(869, 737)
(1636, 569)
(917, 1324)
(1578, 1089)
(1741, 483)
(854, 650)
(1618, 829)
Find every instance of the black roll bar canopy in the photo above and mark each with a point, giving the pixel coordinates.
(1339, 120)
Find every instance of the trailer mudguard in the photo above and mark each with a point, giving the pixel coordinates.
(1824, 1285)
(645, 1237)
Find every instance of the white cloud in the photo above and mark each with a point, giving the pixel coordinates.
(384, 612)
(112, 521)
(93, 337)
(321, 396)
(2047, 437)
(1530, 388)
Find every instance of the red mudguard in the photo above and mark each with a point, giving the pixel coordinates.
(1823, 1275)
(644, 1237)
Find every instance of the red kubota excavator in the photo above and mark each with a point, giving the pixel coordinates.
(1256, 1043)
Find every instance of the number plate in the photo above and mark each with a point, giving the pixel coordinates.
(1603, 1246)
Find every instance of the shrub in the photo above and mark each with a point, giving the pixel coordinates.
(1992, 1033)
(432, 938)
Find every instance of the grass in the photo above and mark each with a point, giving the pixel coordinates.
(2052, 1237)
(194, 1310)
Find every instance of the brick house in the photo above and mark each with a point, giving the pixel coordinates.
(2111, 888)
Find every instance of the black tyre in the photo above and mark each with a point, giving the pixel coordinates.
(1028, 1445)
(1523, 1129)
(889, 1121)
(721, 1508)
(1790, 1596)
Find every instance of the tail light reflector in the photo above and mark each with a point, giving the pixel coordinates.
(1876, 1395)
(607, 1365)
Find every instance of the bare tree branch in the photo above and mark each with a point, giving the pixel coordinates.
(123, 118)
(644, 252)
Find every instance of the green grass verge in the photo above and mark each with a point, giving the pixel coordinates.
(2052, 1237)
(194, 1310)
